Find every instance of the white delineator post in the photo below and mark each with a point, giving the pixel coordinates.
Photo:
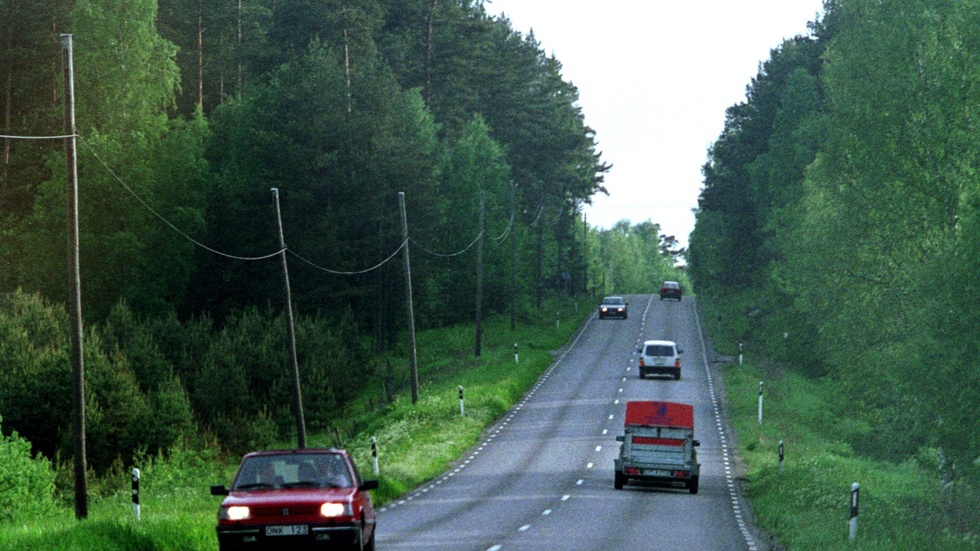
(781, 455)
(136, 493)
(462, 410)
(374, 454)
(517, 358)
(760, 402)
(855, 494)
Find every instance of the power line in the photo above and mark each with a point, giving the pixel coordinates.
(510, 224)
(38, 137)
(468, 247)
(338, 272)
(167, 222)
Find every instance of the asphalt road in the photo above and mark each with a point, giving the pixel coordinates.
(542, 478)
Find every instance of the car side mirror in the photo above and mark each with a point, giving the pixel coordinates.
(680, 350)
(639, 350)
(369, 485)
(219, 490)
(621, 438)
(696, 443)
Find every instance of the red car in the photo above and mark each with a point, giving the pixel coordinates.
(296, 499)
(670, 289)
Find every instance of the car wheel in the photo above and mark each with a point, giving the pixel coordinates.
(677, 376)
(692, 486)
(619, 481)
(369, 546)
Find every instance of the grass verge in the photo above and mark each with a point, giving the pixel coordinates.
(805, 504)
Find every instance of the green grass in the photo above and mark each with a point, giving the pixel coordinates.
(416, 442)
(807, 504)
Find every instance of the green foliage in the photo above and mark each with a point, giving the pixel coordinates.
(416, 443)
(633, 260)
(837, 224)
(26, 480)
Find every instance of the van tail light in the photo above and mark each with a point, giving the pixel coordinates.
(641, 361)
(677, 362)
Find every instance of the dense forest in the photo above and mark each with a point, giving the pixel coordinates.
(840, 217)
(189, 112)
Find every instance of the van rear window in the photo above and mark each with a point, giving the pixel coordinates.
(659, 350)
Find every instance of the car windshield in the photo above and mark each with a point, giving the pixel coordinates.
(614, 301)
(266, 472)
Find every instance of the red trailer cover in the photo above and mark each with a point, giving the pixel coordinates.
(660, 414)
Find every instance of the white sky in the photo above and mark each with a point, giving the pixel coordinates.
(654, 80)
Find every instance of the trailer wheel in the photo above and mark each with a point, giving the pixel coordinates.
(692, 486)
(619, 481)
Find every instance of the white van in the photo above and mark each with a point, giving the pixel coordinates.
(660, 358)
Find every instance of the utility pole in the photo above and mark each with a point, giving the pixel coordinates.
(290, 331)
(408, 301)
(585, 252)
(513, 260)
(75, 286)
(479, 284)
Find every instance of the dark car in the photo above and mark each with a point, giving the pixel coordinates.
(671, 289)
(296, 499)
(613, 307)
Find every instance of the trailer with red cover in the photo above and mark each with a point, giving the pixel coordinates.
(658, 445)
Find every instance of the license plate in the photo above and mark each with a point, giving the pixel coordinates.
(287, 530)
(657, 472)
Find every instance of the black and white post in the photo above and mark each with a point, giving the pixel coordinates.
(462, 410)
(517, 358)
(760, 402)
(855, 495)
(781, 456)
(374, 454)
(739, 353)
(136, 493)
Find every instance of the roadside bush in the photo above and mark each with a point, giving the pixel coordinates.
(26, 481)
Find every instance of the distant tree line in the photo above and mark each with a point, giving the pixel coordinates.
(188, 113)
(840, 216)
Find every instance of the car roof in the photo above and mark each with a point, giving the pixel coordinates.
(671, 283)
(668, 343)
(298, 451)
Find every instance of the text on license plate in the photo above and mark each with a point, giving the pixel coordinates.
(287, 530)
(657, 472)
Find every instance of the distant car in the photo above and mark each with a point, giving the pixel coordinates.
(660, 358)
(613, 307)
(289, 499)
(671, 289)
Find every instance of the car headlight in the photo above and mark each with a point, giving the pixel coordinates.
(235, 512)
(334, 509)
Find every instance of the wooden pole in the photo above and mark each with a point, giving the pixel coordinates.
(408, 302)
(291, 332)
(479, 286)
(75, 287)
